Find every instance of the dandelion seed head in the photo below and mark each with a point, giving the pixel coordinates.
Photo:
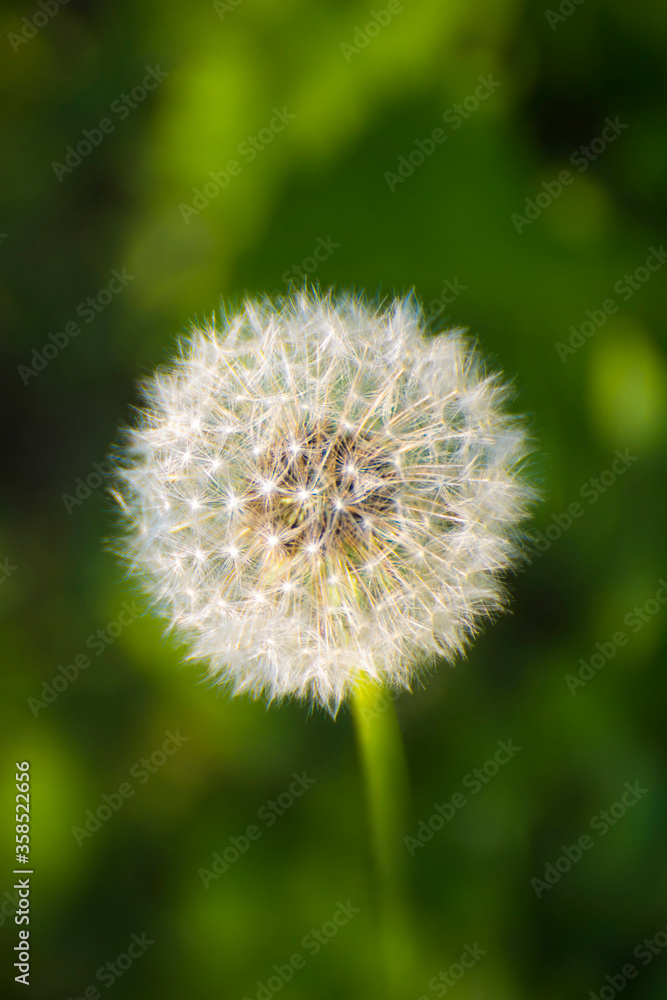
(334, 494)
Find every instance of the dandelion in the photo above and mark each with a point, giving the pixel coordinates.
(319, 495)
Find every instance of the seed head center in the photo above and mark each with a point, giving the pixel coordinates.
(322, 490)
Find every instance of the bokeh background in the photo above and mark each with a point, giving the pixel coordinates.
(360, 99)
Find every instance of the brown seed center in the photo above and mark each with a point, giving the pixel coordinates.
(323, 489)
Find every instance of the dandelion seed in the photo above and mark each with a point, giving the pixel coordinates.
(352, 453)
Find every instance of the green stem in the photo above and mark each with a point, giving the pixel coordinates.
(383, 762)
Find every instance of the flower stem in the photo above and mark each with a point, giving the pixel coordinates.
(383, 763)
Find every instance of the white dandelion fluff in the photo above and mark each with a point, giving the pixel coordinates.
(318, 494)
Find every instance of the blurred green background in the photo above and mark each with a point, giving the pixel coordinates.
(363, 87)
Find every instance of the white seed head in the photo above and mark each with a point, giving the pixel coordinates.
(318, 494)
